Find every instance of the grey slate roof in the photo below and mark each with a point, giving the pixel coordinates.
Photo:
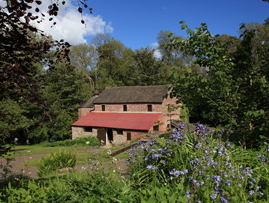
(89, 103)
(132, 94)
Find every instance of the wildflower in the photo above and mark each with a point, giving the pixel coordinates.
(16, 139)
(87, 142)
(28, 151)
(188, 194)
(213, 195)
(30, 157)
(149, 167)
(251, 192)
(182, 126)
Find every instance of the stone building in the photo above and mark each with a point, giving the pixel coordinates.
(122, 114)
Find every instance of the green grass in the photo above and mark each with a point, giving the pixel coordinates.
(28, 150)
(82, 155)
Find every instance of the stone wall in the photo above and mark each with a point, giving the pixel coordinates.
(120, 139)
(130, 107)
(78, 131)
(83, 112)
(176, 113)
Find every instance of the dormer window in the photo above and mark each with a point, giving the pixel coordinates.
(149, 108)
(103, 108)
(124, 107)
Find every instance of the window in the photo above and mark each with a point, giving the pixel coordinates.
(128, 136)
(156, 128)
(103, 108)
(150, 107)
(87, 129)
(120, 132)
(124, 107)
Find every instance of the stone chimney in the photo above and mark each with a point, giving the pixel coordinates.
(96, 92)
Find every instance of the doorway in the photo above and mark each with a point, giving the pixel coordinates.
(101, 135)
(110, 134)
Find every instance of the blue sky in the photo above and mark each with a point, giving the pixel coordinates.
(137, 23)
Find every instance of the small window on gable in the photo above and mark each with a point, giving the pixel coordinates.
(87, 129)
(103, 108)
(120, 132)
(129, 136)
(149, 107)
(156, 128)
(124, 107)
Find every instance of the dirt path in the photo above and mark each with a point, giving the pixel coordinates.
(19, 166)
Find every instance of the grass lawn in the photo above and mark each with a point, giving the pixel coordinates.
(84, 153)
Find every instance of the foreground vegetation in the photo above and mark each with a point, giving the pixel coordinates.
(186, 167)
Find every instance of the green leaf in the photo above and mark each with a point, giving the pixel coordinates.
(176, 75)
(183, 26)
(169, 34)
(188, 30)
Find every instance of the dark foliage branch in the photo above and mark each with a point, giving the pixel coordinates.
(18, 52)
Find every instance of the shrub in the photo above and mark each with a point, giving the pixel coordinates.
(87, 141)
(56, 160)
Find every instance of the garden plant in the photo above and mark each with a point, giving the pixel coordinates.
(199, 167)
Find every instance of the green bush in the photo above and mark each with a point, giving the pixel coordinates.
(87, 141)
(56, 160)
(81, 141)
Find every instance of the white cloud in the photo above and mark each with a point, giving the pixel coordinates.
(155, 44)
(69, 26)
(157, 52)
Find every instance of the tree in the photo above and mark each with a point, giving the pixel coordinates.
(148, 68)
(21, 54)
(234, 85)
(85, 57)
(64, 90)
(14, 120)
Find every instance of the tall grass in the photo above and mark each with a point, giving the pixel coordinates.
(56, 160)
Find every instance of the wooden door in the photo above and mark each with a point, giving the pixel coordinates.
(101, 135)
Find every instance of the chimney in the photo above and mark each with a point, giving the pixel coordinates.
(96, 92)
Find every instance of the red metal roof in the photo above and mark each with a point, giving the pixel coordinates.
(134, 121)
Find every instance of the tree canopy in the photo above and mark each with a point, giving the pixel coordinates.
(236, 85)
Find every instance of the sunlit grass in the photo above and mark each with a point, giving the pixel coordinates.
(83, 153)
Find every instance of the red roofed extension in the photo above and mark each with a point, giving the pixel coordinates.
(135, 121)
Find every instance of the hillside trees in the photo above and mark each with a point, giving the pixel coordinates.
(235, 86)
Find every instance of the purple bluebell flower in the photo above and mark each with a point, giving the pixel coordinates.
(149, 167)
(188, 194)
(213, 195)
(251, 192)
(182, 126)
